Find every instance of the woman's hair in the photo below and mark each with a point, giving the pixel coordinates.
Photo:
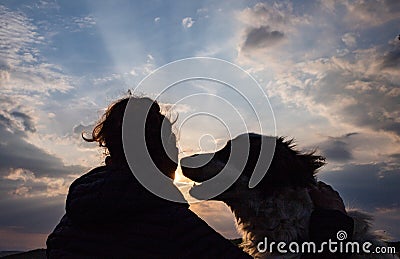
(108, 133)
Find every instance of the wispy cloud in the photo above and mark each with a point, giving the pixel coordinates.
(370, 13)
(85, 22)
(21, 64)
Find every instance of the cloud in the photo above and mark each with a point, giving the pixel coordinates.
(202, 12)
(277, 15)
(329, 80)
(32, 186)
(17, 34)
(16, 152)
(361, 14)
(352, 89)
(187, 22)
(266, 26)
(337, 148)
(16, 120)
(33, 182)
(21, 63)
(4, 76)
(26, 120)
(349, 39)
(178, 108)
(371, 13)
(395, 156)
(367, 186)
(85, 22)
(391, 59)
(45, 4)
(262, 37)
(81, 128)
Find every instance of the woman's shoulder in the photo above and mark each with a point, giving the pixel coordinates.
(100, 173)
(98, 192)
(98, 177)
(97, 171)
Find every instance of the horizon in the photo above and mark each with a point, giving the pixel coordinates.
(330, 70)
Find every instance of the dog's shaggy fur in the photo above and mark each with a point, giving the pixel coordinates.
(279, 207)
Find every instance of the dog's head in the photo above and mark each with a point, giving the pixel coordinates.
(289, 167)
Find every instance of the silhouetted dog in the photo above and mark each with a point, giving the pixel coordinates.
(279, 207)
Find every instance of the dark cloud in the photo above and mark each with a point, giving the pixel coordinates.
(392, 58)
(16, 152)
(395, 156)
(12, 119)
(394, 5)
(25, 204)
(351, 134)
(337, 148)
(26, 120)
(262, 37)
(5, 121)
(367, 186)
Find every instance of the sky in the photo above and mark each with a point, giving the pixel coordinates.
(329, 68)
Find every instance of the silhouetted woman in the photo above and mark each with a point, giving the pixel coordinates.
(109, 214)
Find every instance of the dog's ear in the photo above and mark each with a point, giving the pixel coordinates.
(290, 167)
(312, 162)
(302, 166)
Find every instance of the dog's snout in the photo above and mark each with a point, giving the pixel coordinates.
(199, 167)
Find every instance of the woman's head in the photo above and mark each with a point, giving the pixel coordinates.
(108, 133)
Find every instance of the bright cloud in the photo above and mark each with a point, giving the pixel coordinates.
(36, 186)
(187, 22)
